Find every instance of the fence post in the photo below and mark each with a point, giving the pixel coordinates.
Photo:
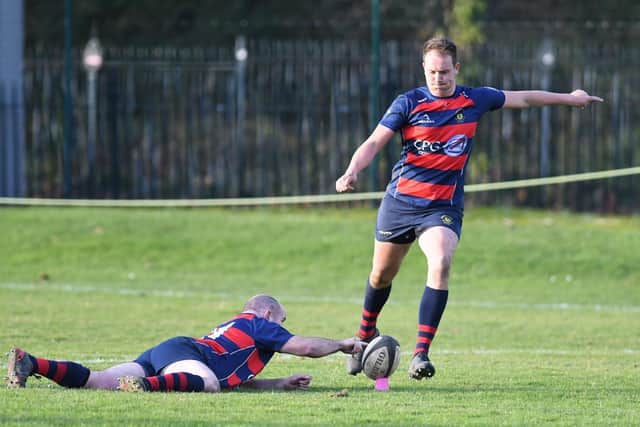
(12, 129)
(374, 88)
(68, 101)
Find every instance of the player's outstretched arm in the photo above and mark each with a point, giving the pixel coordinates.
(318, 347)
(294, 382)
(540, 98)
(362, 157)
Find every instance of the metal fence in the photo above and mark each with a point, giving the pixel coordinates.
(183, 123)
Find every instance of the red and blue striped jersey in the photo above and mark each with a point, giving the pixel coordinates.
(242, 347)
(437, 137)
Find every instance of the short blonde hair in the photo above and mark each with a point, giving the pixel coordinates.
(442, 45)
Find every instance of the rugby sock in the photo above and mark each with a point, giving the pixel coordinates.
(179, 381)
(67, 374)
(374, 300)
(431, 309)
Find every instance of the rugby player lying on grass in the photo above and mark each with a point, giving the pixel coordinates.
(229, 357)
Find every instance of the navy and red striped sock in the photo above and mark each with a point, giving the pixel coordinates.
(432, 307)
(67, 374)
(179, 381)
(374, 300)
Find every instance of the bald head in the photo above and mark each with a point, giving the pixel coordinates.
(266, 306)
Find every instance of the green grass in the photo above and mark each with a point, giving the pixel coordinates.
(541, 327)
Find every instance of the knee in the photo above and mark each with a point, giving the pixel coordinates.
(211, 385)
(440, 264)
(379, 279)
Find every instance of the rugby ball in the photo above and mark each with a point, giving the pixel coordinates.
(381, 357)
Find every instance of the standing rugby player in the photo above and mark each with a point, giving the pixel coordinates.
(424, 199)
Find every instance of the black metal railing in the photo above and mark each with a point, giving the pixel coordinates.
(182, 123)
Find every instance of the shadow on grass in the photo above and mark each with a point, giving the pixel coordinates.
(419, 387)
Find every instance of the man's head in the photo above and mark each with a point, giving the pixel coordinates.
(267, 307)
(440, 64)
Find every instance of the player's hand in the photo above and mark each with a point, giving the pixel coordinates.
(352, 345)
(583, 98)
(296, 382)
(346, 182)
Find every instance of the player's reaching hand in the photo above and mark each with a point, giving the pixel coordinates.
(352, 345)
(582, 98)
(296, 382)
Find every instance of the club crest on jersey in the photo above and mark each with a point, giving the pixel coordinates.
(446, 219)
(456, 145)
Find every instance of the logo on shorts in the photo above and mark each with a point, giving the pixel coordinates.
(446, 219)
(385, 233)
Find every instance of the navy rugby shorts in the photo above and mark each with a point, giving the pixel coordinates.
(172, 350)
(400, 222)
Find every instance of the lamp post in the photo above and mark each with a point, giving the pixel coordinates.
(92, 59)
(241, 54)
(548, 60)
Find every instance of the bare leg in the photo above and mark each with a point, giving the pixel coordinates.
(438, 244)
(108, 379)
(387, 259)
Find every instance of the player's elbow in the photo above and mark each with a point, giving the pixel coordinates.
(300, 346)
(308, 349)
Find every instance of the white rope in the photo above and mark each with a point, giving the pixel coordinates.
(302, 200)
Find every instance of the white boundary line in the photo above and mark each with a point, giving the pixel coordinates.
(222, 295)
(302, 200)
(309, 298)
(481, 352)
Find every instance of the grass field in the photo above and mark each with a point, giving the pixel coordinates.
(542, 326)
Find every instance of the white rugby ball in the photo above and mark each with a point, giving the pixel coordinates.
(381, 357)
